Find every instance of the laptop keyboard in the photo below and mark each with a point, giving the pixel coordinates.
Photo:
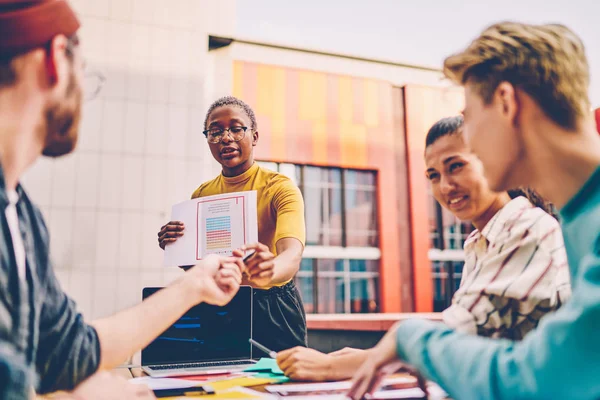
(200, 365)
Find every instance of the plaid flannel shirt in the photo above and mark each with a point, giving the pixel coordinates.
(44, 341)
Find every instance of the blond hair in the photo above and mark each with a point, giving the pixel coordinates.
(547, 62)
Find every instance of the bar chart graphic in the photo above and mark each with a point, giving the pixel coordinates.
(218, 233)
(216, 224)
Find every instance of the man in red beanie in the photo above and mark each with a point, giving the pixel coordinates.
(45, 345)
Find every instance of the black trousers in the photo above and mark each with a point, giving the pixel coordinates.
(279, 320)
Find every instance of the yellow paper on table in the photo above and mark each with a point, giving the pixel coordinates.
(225, 384)
(234, 394)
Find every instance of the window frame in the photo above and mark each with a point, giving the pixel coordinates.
(342, 253)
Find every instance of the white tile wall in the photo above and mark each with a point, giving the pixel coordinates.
(116, 83)
(103, 288)
(159, 64)
(64, 277)
(84, 239)
(171, 274)
(196, 142)
(113, 123)
(38, 182)
(152, 254)
(61, 241)
(138, 84)
(98, 8)
(175, 182)
(134, 134)
(177, 119)
(130, 233)
(87, 177)
(195, 172)
(63, 181)
(80, 288)
(108, 242)
(152, 278)
(93, 39)
(155, 175)
(121, 9)
(132, 183)
(140, 45)
(143, 11)
(119, 42)
(129, 288)
(91, 126)
(140, 149)
(110, 182)
(156, 129)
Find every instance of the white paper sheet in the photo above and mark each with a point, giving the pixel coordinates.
(164, 383)
(329, 386)
(337, 390)
(213, 225)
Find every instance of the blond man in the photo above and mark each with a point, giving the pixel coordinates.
(528, 118)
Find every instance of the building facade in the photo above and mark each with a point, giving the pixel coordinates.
(348, 130)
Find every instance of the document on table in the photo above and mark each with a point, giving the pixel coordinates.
(213, 225)
(392, 388)
(164, 383)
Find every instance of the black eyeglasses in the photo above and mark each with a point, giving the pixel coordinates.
(216, 135)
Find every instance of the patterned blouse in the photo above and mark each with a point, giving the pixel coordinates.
(515, 272)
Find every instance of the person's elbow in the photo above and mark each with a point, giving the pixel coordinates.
(291, 249)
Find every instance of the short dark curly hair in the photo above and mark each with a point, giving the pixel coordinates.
(235, 102)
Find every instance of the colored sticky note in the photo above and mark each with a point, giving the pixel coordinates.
(225, 384)
(269, 375)
(265, 365)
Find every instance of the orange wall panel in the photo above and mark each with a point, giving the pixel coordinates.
(309, 117)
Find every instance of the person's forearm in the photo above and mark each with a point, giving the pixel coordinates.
(128, 331)
(344, 365)
(287, 265)
(57, 396)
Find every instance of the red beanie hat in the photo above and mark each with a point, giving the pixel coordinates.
(28, 24)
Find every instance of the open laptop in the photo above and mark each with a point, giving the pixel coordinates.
(205, 340)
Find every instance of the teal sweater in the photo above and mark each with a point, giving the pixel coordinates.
(558, 360)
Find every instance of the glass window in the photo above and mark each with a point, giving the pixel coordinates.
(305, 282)
(364, 285)
(364, 295)
(447, 233)
(291, 171)
(322, 190)
(330, 286)
(268, 165)
(361, 208)
(340, 211)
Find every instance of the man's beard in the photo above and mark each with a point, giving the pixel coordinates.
(62, 123)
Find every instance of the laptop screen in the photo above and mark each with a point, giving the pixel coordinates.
(205, 333)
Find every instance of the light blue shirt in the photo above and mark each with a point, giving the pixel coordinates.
(558, 360)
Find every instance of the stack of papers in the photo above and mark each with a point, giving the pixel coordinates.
(266, 372)
(392, 388)
(225, 386)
